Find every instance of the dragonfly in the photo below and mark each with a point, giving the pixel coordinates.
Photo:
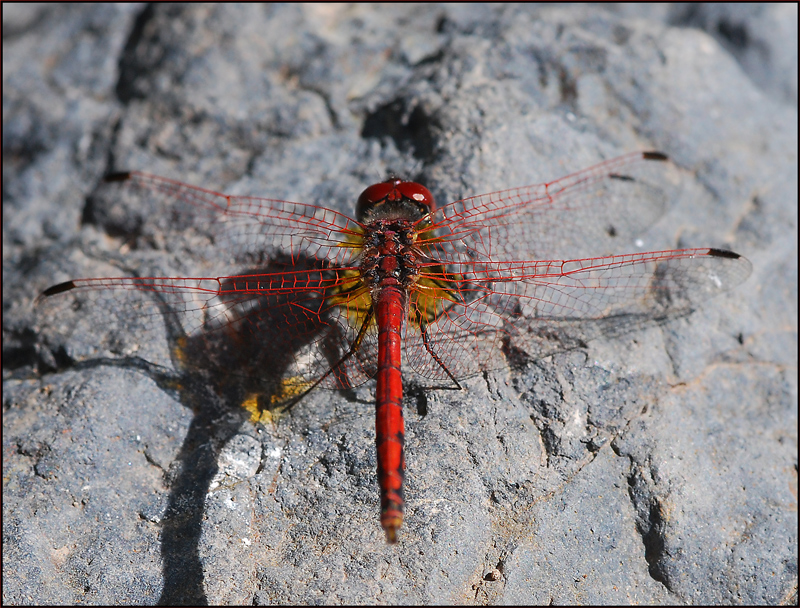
(443, 291)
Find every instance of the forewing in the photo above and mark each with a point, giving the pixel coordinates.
(221, 230)
(594, 212)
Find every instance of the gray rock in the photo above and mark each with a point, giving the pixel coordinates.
(657, 466)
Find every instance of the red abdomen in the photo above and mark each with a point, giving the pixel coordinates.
(389, 427)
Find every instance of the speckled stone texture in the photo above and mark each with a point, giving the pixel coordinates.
(658, 466)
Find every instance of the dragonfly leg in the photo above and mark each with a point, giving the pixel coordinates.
(432, 353)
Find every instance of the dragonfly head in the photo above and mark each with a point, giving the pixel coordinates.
(394, 199)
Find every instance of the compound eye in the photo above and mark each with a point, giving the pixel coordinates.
(373, 195)
(419, 194)
(394, 198)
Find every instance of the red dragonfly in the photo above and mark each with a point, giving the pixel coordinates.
(449, 291)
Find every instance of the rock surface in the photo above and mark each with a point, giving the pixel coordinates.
(656, 467)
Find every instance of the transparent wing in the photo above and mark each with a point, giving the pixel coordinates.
(593, 212)
(298, 307)
(269, 319)
(274, 323)
(222, 229)
(547, 306)
(494, 277)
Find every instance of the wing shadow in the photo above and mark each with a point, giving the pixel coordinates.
(231, 372)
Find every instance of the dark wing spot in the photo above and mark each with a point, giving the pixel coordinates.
(654, 156)
(721, 253)
(120, 176)
(622, 178)
(60, 288)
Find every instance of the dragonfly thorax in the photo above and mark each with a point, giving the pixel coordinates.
(389, 256)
